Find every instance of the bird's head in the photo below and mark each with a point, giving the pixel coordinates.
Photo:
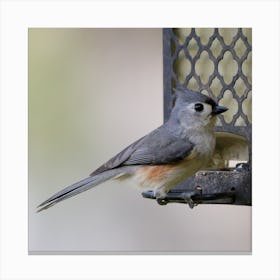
(195, 109)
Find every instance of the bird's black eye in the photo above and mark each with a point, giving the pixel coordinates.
(198, 107)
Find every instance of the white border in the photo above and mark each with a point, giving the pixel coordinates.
(17, 16)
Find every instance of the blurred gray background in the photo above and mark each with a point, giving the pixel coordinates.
(91, 93)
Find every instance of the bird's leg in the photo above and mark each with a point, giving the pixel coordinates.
(187, 196)
(160, 196)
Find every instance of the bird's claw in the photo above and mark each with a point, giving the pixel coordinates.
(187, 197)
(161, 201)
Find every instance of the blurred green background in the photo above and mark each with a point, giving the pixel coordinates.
(91, 93)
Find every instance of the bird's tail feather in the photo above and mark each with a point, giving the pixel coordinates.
(77, 188)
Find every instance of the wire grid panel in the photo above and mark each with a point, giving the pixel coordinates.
(214, 61)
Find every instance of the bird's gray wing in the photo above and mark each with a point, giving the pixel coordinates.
(158, 147)
(118, 159)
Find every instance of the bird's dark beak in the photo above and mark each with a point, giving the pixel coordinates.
(219, 110)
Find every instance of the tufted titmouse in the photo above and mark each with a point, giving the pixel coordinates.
(164, 157)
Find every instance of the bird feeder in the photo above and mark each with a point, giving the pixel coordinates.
(216, 62)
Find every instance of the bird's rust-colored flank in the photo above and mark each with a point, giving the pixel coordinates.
(157, 172)
(153, 176)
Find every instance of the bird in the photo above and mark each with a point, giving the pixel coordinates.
(176, 150)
